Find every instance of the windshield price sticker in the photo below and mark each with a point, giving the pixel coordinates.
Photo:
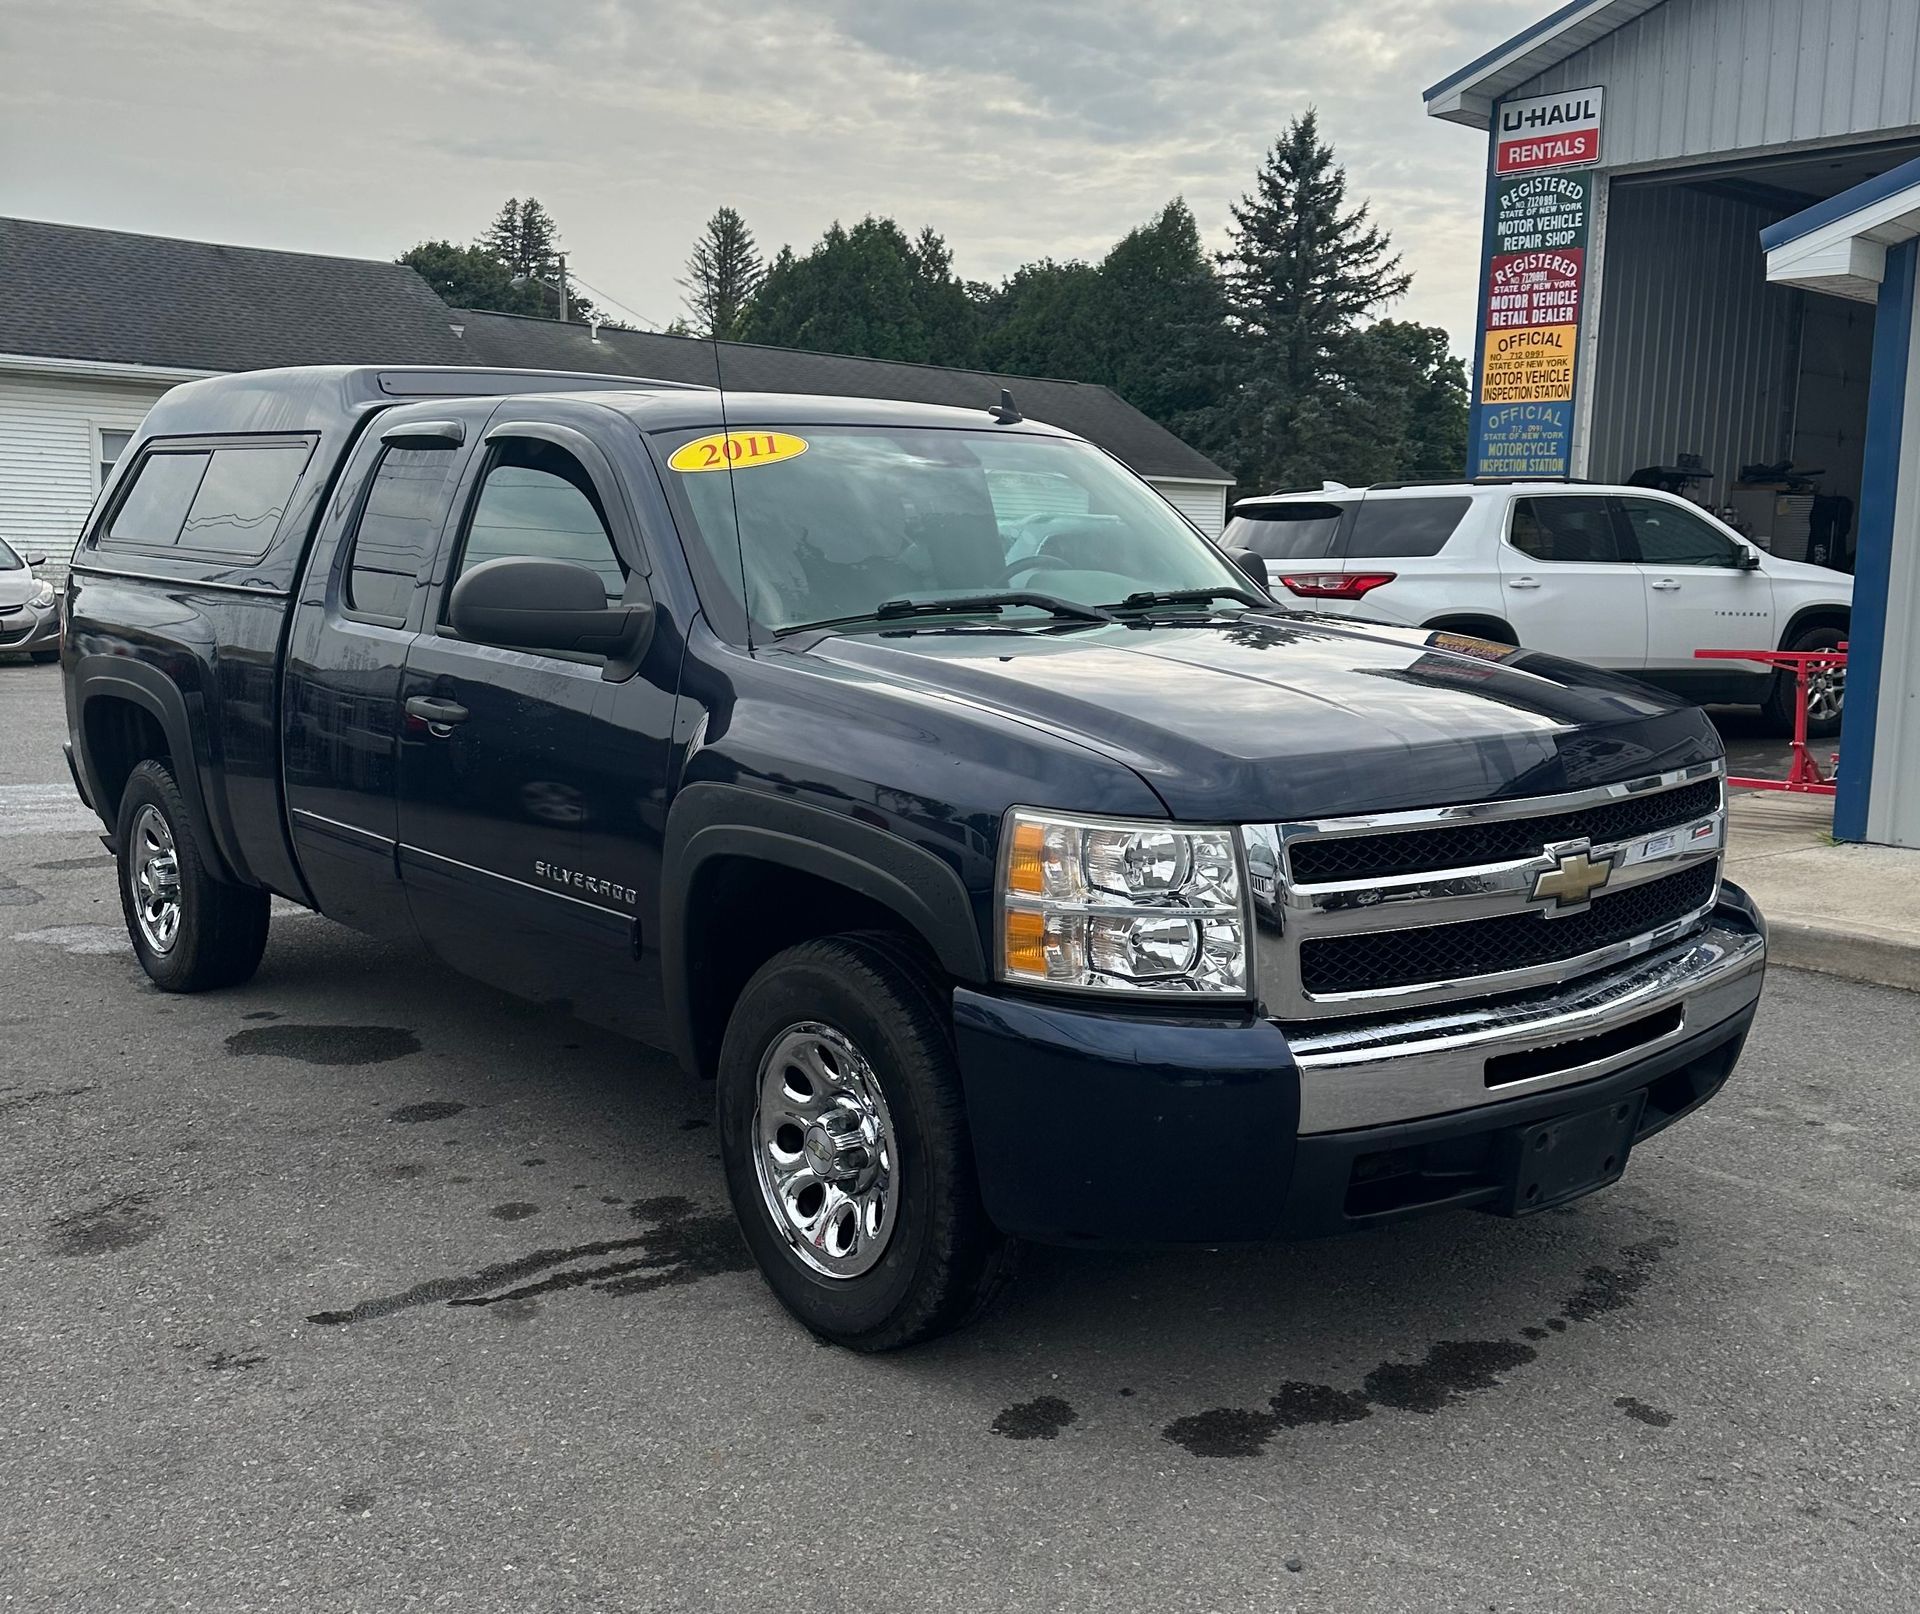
(737, 451)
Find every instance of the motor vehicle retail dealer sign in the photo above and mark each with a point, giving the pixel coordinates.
(1534, 265)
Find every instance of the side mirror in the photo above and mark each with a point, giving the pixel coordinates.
(1251, 564)
(1748, 561)
(558, 605)
(35, 559)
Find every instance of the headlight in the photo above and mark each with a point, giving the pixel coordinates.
(1122, 905)
(41, 596)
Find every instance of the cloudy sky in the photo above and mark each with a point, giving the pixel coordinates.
(1018, 130)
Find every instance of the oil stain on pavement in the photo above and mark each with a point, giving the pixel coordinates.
(683, 1246)
(113, 1224)
(1040, 1419)
(326, 1045)
(1635, 1408)
(1449, 1371)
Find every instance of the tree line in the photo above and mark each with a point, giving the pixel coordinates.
(1271, 357)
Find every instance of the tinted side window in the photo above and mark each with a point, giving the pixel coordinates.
(537, 500)
(242, 498)
(1665, 535)
(1304, 531)
(1404, 527)
(155, 507)
(1569, 528)
(399, 524)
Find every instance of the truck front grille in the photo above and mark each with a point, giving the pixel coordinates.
(1353, 857)
(1373, 960)
(1365, 916)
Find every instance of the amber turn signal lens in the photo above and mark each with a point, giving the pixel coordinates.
(1026, 942)
(1026, 870)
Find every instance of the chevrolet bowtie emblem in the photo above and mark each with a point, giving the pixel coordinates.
(1573, 879)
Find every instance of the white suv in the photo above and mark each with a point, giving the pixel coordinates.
(1620, 577)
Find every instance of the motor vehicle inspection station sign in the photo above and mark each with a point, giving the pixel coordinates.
(1534, 265)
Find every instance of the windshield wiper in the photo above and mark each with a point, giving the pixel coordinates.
(1146, 599)
(1052, 604)
(965, 605)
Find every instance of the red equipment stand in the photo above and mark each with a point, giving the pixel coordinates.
(1806, 775)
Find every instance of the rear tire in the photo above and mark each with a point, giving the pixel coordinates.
(1826, 700)
(838, 1057)
(190, 931)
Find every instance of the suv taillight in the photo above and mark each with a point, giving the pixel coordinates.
(1336, 585)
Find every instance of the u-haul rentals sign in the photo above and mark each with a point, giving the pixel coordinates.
(1547, 131)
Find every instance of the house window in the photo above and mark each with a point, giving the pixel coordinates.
(112, 445)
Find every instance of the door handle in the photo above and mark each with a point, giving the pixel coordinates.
(439, 715)
(1666, 585)
(1523, 582)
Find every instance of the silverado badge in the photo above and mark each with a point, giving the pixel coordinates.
(1574, 878)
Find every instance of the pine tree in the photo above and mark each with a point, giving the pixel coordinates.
(502, 238)
(1303, 270)
(525, 241)
(722, 276)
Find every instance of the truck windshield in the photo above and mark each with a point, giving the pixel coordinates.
(836, 521)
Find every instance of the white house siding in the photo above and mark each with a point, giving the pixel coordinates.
(1202, 503)
(1710, 77)
(49, 442)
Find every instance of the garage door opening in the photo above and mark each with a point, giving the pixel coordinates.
(1700, 364)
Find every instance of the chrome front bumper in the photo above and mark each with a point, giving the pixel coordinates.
(1408, 1066)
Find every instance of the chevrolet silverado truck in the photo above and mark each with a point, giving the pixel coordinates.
(1011, 863)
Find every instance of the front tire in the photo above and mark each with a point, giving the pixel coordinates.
(43, 658)
(190, 931)
(1826, 695)
(844, 1134)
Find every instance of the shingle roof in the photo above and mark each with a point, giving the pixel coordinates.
(75, 293)
(1093, 412)
(69, 292)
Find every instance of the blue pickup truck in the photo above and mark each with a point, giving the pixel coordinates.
(1012, 864)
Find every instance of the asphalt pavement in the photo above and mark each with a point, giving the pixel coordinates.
(366, 1288)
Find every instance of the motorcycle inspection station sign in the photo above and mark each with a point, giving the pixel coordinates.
(1534, 264)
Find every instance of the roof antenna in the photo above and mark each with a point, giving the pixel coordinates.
(1006, 411)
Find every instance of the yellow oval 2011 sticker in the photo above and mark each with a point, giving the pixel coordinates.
(736, 451)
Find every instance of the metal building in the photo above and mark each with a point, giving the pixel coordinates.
(1707, 142)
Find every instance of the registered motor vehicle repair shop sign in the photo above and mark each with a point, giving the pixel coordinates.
(1534, 258)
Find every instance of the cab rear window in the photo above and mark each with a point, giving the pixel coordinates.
(224, 500)
(1303, 531)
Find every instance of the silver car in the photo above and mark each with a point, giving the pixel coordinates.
(29, 608)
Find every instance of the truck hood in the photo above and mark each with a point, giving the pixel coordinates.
(1282, 716)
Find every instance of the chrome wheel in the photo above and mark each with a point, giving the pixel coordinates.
(153, 874)
(1826, 693)
(823, 1150)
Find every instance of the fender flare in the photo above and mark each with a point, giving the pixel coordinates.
(711, 820)
(151, 691)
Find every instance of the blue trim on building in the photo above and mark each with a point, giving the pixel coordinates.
(1835, 208)
(1873, 558)
(1526, 36)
